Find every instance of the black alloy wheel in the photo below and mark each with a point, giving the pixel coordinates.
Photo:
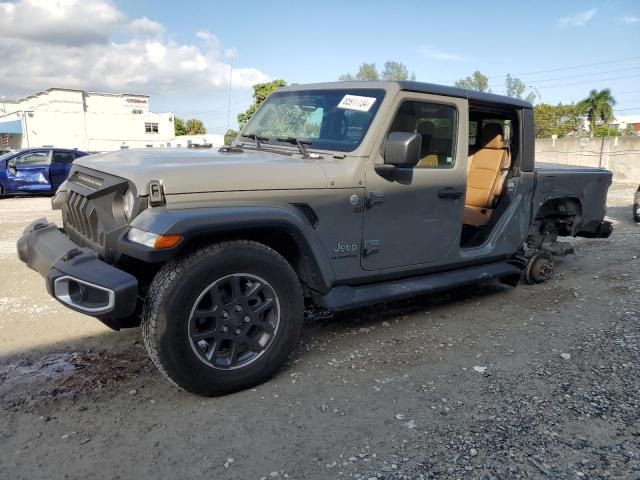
(234, 321)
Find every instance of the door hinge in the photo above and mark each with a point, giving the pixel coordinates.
(374, 198)
(370, 246)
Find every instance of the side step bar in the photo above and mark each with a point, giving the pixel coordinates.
(345, 297)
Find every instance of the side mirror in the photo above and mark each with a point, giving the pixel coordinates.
(402, 150)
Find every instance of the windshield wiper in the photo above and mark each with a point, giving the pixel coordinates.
(300, 143)
(255, 138)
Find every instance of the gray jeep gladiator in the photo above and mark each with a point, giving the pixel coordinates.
(337, 195)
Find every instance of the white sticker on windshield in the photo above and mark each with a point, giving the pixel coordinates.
(355, 102)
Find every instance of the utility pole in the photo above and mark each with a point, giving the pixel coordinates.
(537, 91)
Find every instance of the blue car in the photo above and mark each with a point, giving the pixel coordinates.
(35, 170)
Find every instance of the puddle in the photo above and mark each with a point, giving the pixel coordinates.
(68, 374)
(53, 365)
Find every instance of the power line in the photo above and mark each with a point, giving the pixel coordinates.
(588, 81)
(585, 75)
(499, 89)
(627, 91)
(552, 69)
(213, 116)
(221, 109)
(570, 68)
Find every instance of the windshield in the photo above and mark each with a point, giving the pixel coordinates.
(324, 119)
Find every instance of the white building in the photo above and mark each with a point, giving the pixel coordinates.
(87, 121)
(621, 122)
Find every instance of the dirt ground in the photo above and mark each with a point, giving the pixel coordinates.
(488, 382)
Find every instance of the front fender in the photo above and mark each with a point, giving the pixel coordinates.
(200, 223)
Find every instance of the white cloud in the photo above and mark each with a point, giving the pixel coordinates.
(630, 19)
(68, 22)
(143, 26)
(72, 44)
(578, 20)
(436, 54)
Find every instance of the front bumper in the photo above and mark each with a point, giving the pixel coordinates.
(75, 276)
(602, 229)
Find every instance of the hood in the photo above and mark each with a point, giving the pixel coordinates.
(189, 171)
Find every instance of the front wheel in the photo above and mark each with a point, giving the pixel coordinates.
(223, 318)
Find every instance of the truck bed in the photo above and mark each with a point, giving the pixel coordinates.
(557, 167)
(588, 186)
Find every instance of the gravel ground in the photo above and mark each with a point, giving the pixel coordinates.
(488, 382)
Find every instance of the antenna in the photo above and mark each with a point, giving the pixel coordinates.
(229, 98)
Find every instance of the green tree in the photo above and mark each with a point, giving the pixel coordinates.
(195, 127)
(598, 108)
(606, 131)
(178, 125)
(260, 92)
(477, 81)
(396, 71)
(368, 71)
(560, 120)
(514, 87)
(230, 136)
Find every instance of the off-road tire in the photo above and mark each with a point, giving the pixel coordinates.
(174, 291)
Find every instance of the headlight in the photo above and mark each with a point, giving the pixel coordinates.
(144, 238)
(129, 203)
(153, 240)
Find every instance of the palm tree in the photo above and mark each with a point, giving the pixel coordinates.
(598, 107)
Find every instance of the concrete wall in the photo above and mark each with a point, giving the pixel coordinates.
(215, 139)
(621, 155)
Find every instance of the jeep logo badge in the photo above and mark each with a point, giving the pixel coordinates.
(345, 250)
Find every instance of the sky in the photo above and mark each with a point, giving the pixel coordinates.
(183, 54)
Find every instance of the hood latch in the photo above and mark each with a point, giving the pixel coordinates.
(156, 193)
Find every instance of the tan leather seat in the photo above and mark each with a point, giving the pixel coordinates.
(486, 173)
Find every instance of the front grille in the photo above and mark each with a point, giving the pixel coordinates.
(93, 213)
(82, 217)
(87, 180)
